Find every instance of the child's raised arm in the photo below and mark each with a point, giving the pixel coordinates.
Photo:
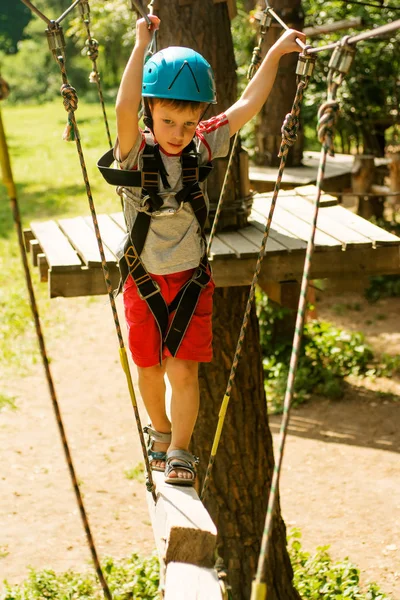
(130, 89)
(258, 89)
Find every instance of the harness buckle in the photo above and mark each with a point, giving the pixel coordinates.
(190, 174)
(143, 280)
(131, 256)
(199, 274)
(149, 179)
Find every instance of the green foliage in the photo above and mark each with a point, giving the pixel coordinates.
(370, 94)
(128, 579)
(136, 473)
(14, 16)
(49, 184)
(319, 578)
(383, 286)
(7, 402)
(327, 355)
(113, 25)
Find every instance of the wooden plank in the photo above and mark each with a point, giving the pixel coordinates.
(28, 236)
(83, 239)
(187, 582)
(255, 235)
(293, 224)
(242, 247)
(59, 253)
(43, 268)
(179, 518)
(110, 232)
(81, 282)
(220, 249)
(289, 240)
(376, 234)
(120, 220)
(309, 192)
(341, 232)
(34, 249)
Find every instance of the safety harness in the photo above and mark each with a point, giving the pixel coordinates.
(130, 264)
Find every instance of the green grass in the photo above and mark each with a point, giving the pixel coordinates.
(49, 184)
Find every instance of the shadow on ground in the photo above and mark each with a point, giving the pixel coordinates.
(359, 419)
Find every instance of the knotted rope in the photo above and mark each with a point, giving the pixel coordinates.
(70, 101)
(327, 117)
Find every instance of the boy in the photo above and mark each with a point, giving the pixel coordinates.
(177, 85)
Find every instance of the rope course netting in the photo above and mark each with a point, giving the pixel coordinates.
(339, 65)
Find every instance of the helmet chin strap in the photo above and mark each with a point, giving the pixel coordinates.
(147, 118)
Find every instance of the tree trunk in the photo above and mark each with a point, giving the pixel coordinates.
(205, 27)
(238, 493)
(280, 101)
(242, 474)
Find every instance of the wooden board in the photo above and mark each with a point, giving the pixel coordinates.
(292, 224)
(255, 235)
(376, 234)
(183, 529)
(110, 232)
(187, 582)
(241, 246)
(83, 239)
(287, 240)
(219, 248)
(340, 231)
(60, 255)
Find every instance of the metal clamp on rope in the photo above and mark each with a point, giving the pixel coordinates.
(341, 60)
(265, 20)
(305, 64)
(55, 39)
(84, 9)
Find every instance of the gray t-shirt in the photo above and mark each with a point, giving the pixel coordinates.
(173, 241)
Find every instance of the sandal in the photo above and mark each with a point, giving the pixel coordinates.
(156, 436)
(184, 460)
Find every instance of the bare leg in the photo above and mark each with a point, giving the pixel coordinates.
(183, 376)
(152, 389)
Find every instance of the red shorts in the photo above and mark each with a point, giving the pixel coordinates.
(143, 333)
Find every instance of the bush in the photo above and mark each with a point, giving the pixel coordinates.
(318, 578)
(128, 579)
(327, 355)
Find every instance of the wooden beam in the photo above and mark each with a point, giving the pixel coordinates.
(187, 582)
(183, 529)
(81, 282)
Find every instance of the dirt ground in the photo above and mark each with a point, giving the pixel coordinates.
(340, 483)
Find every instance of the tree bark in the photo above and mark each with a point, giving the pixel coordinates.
(239, 488)
(279, 103)
(238, 493)
(205, 27)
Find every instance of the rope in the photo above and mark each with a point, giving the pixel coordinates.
(289, 130)
(265, 23)
(93, 53)
(70, 107)
(10, 185)
(327, 118)
(222, 193)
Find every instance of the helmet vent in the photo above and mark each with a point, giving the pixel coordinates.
(185, 64)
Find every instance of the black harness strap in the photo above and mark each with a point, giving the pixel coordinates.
(185, 302)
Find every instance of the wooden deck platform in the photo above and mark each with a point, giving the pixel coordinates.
(347, 246)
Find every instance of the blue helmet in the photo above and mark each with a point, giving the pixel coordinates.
(179, 74)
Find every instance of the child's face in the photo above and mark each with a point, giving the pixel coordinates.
(174, 128)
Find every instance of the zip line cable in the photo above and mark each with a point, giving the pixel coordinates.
(12, 192)
(339, 66)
